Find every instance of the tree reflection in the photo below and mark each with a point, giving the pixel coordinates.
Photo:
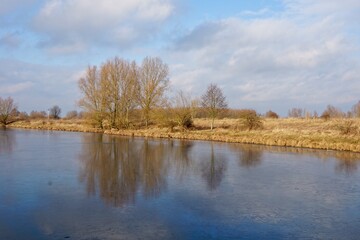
(180, 155)
(347, 165)
(118, 168)
(153, 169)
(7, 140)
(250, 156)
(213, 169)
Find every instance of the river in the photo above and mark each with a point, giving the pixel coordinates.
(64, 185)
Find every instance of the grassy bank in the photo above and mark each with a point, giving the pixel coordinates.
(338, 134)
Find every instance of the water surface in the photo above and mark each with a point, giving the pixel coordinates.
(60, 185)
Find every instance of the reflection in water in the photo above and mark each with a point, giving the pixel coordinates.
(7, 140)
(120, 167)
(213, 169)
(153, 167)
(250, 156)
(181, 156)
(347, 162)
(112, 166)
(225, 191)
(348, 166)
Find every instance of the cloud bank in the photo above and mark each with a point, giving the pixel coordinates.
(304, 57)
(71, 26)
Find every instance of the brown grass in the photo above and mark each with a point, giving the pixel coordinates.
(303, 133)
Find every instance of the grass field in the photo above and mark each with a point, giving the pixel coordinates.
(334, 134)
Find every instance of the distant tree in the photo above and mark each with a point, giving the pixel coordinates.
(356, 110)
(72, 114)
(23, 115)
(296, 113)
(325, 115)
(55, 112)
(315, 114)
(349, 114)
(38, 115)
(332, 112)
(307, 114)
(271, 114)
(8, 111)
(153, 82)
(214, 102)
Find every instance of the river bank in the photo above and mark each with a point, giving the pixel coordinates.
(338, 134)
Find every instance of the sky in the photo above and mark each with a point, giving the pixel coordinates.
(264, 55)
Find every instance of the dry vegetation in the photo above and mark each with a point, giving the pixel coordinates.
(126, 98)
(334, 134)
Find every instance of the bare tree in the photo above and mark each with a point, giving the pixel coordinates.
(129, 89)
(55, 112)
(119, 82)
(93, 100)
(119, 86)
(110, 75)
(72, 114)
(296, 113)
(356, 110)
(153, 82)
(214, 102)
(8, 111)
(332, 112)
(37, 114)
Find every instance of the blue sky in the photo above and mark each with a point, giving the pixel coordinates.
(263, 54)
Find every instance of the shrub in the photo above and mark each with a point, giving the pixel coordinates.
(185, 122)
(72, 114)
(38, 115)
(250, 120)
(325, 115)
(347, 127)
(296, 113)
(271, 114)
(332, 112)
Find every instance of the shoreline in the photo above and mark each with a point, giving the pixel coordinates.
(268, 137)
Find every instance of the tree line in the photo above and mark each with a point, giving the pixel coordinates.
(121, 94)
(113, 91)
(329, 112)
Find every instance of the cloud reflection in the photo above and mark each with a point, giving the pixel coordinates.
(119, 169)
(7, 140)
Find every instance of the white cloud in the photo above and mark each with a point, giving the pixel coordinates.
(297, 60)
(39, 86)
(69, 23)
(15, 88)
(7, 6)
(322, 7)
(10, 40)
